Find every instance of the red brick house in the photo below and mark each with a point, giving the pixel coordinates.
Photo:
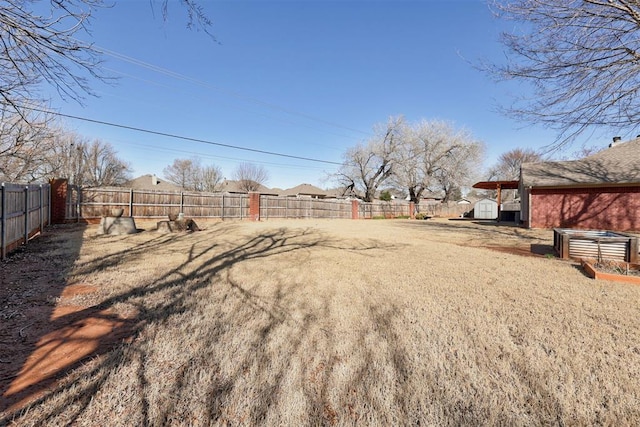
(601, 191)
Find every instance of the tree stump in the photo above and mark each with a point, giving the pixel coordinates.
(177, 225)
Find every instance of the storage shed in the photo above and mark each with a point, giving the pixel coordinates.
(486, 209)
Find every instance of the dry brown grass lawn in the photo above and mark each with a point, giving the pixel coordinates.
(347, 323)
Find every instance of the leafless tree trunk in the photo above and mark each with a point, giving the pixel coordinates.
(435, 156)
(582, 59)
(367, 166)
(101, 166)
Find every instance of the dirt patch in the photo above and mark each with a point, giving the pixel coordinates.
(545, 251)
(42, 335)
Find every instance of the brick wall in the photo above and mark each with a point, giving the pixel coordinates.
(59, 188)
(254, 206)
(609, 208)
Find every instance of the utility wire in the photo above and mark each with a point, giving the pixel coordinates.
(179, 76)
(213, 156)
(184, 138)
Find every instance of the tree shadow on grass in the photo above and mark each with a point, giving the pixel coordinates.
(65, 395)
(32, 279)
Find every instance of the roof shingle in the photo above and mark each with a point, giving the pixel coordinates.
(619, 164)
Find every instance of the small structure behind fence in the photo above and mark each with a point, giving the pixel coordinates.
(24, 211)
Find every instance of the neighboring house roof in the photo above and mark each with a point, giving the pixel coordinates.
(305, 190)
(230, 186)
(151, 182)
(618, 164)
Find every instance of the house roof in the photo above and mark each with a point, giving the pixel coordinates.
(230, 186)
(305, 190)
(151, 182)
(618, 164)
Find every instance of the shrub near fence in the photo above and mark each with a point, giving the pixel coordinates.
(24, 211)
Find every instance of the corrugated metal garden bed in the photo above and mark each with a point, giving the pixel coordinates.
(596, 244)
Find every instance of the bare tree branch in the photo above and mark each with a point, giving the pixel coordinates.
(250, 176)
(582, 58)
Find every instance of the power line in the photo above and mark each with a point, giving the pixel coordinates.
(213, 156)
(232, 93)
(272, 117)
(184, 138)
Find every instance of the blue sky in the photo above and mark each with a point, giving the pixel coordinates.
(303, 78)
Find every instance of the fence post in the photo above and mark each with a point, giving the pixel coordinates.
(354, 209)
(222, 210)
(412, 210)
(41, 210)
(3, 232)
(254, 206)
(26, 214)
(49, 204)
(58, 200)
(181, 202)
(131, 202)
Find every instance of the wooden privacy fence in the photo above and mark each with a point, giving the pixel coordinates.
(24, 211)
(304, 207)
(382, 209)
(88, 203)
(96, 202)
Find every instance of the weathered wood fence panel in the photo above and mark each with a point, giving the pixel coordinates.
(88, 203)
(24, 211)
(382, 209)
(303, 207)
(96, 202)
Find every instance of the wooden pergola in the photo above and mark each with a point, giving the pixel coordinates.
(499, 186)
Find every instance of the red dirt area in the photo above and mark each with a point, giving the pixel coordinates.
(533, 250)
(42, 336)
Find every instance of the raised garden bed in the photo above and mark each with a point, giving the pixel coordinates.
(595, 244)
(612, 270)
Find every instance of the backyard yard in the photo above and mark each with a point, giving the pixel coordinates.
(313, 322)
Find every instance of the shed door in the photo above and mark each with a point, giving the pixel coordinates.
(486, 211)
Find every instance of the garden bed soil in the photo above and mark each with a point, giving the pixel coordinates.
(612, 271)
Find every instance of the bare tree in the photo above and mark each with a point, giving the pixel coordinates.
(437, 157)
(509, 163)
(44, 46)
(25, 146)
(250, 176)
(182, 172)
(100, 166)
(367, 166)
(210, 178)
(582, 59)
(461, 167)
(191, 175)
